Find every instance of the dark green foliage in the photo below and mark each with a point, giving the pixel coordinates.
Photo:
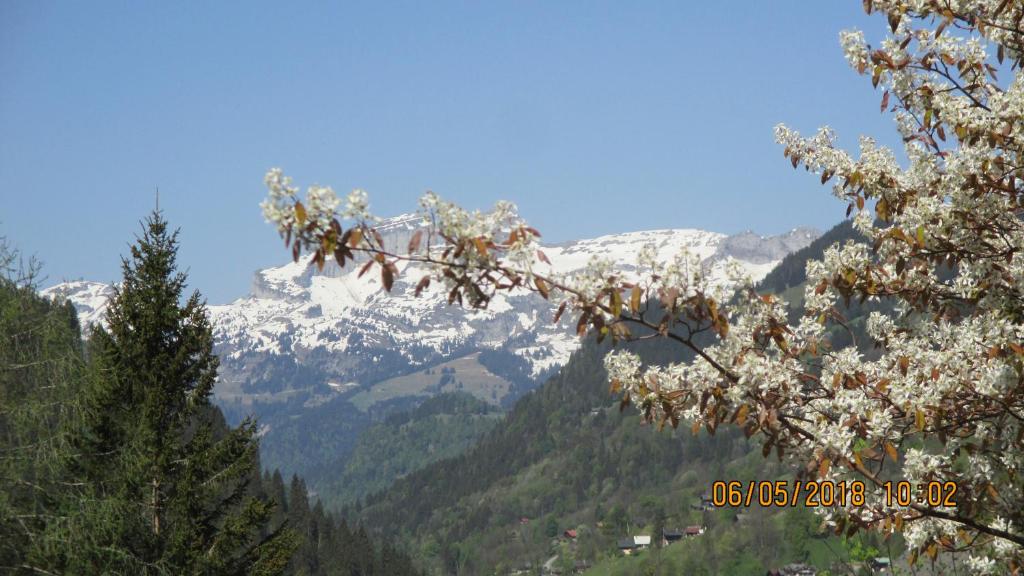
(113, 461)
(41, 367)
(185, 473)
(332, 547)
(512, 367)
(441, 427)
(304, 438)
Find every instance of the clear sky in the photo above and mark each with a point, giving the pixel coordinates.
(593, 117)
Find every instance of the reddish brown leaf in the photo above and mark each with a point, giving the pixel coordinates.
(355, 237)
(542, 286)
(366, 268)
(414, 242)
(423, 284)
(891, 451)
(559, 312)
(387, 277)
(894, 20)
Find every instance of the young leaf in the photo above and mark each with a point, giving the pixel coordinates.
(542, 286)
(480, 246)
(741, 414)
(616, 304)
(894, 20)
(355, 237)
(423, 284)
(366, 268)
(414, 242)
(561, 310)
(891, 451)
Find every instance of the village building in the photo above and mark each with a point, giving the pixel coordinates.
(695, 530)
(671, 536)
(633, 545)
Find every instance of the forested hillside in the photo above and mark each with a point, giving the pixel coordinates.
(112, 460)
(566, 458)
(441, 427)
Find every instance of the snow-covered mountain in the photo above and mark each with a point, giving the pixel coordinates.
(319, 334)
(89, 298)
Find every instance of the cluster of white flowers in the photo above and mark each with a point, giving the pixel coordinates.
(947, 366)
(939, 372)
(321, 202)
(854, 48)
(357, 206)
(278, 208)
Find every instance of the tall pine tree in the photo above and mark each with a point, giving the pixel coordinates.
(185, 472)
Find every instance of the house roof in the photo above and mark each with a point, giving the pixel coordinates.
(627, 544)
(642, 540)
(570, 533)
(673, 533)
(693, 529)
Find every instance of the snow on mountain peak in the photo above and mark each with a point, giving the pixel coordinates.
(89, 299)
(354, 331)
(301, 328)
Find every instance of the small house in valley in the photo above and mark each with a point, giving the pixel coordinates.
(671, 536)
(633, 545)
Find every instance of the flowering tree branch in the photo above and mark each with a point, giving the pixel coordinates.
(943, 397)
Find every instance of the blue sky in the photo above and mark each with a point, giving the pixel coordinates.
(593, 117)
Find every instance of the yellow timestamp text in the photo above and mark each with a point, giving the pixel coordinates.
(932, 494)
(781, 493)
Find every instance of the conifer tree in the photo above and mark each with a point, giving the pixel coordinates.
(40, 368)
(184, 470)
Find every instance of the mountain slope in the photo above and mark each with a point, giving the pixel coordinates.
(441, 427)
(320, 356)
(566, 458)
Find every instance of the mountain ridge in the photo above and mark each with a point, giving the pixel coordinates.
(319, 357)
(351, 333)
